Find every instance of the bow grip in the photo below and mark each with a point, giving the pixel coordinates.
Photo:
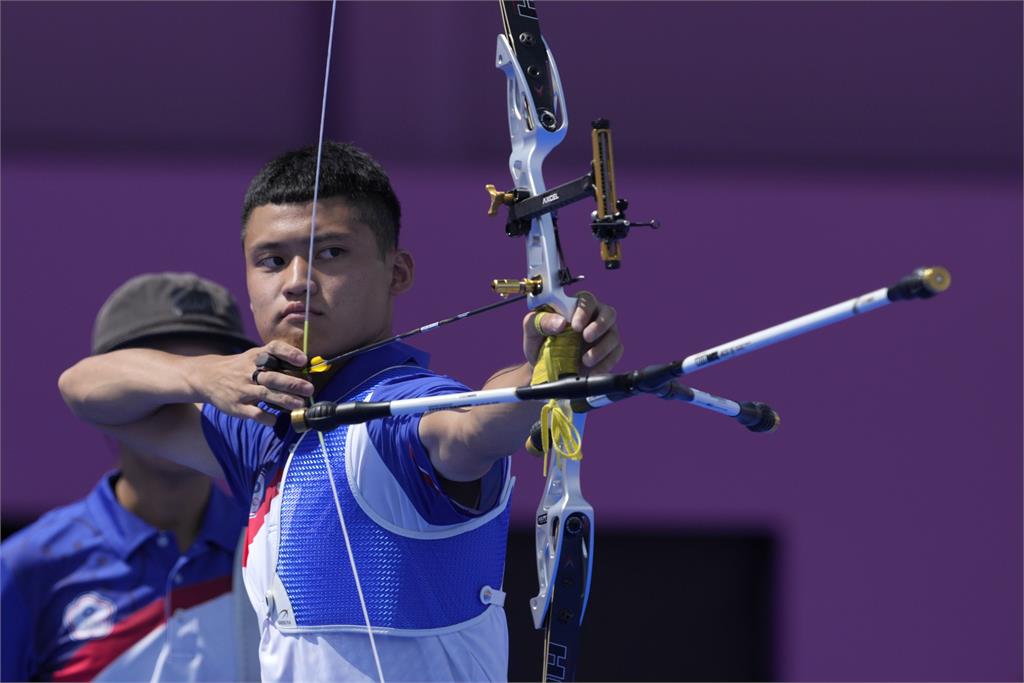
(559, 354)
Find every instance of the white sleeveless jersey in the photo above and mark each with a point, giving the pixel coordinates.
(475, 649)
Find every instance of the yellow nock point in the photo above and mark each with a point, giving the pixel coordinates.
(317, 364)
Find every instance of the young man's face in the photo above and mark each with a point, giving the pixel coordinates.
(351, 286)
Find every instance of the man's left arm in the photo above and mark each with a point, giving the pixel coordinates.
(464, 444)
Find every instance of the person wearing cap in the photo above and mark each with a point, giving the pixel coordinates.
(425, 499)
(134, 582)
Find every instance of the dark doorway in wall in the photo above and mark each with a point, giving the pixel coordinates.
(673, 606)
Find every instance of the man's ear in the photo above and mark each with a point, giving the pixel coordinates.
(402, 272)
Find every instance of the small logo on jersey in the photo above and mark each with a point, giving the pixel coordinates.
(89, 616)
(257, 492)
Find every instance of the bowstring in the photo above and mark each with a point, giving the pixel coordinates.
(305, 351)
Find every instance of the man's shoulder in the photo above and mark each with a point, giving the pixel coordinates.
(59, 539)
(411, 381)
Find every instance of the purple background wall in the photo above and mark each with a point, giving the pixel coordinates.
(797, 154)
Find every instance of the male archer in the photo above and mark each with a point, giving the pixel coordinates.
(424, 499)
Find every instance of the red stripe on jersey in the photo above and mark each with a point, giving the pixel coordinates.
(94, 656)
(198, 593)
(256, 521)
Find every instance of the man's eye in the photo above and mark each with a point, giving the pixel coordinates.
(271, 262)
(330, 252)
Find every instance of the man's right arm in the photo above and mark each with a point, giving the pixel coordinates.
(151, 400)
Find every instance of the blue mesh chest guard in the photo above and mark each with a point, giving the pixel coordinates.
(414, 581)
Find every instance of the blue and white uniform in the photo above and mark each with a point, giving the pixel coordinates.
(92, 592)
(431, 568)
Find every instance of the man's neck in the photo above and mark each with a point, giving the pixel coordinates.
(172, 501)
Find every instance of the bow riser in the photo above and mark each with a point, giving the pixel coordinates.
(563, 497)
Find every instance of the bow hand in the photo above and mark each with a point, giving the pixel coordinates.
(595, 322)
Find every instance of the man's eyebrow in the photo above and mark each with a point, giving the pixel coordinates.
(268, 245)
(324, 234)
(320, 238)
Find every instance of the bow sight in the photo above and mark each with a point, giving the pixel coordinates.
(608, 222)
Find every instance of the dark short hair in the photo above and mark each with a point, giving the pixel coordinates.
(346, 172)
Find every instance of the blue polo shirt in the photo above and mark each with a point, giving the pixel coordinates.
(91, 589)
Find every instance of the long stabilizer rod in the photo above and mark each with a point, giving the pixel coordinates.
(923, 283)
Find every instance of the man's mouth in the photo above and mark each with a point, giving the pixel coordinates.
(297, 311)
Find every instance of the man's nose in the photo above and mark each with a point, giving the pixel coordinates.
(299, 278)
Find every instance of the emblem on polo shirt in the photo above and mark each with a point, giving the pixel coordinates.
(89, 616)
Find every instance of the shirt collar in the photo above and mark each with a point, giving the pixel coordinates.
(122, 530)
(126, 532)
(362, 366)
